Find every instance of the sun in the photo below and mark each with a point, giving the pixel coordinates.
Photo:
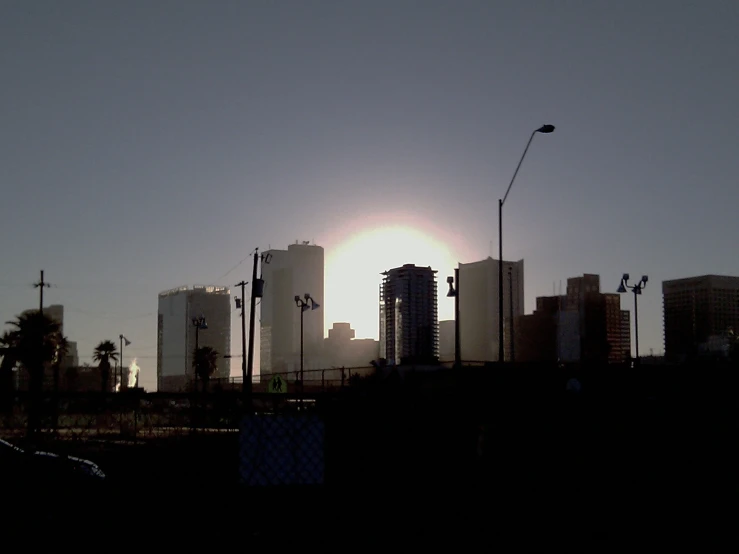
(353, 268)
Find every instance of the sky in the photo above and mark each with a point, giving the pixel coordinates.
(150, 144)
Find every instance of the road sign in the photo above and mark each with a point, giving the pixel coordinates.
(277, 385)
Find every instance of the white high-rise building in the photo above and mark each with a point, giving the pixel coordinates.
(176, 332)
(478, 307)
(292, 272)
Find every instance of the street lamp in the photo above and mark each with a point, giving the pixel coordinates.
(303, 305)
(199, 323)
(454, 293)
(636, 289)
(546, 129)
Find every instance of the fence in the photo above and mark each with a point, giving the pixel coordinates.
(136, 416)
(427, 427)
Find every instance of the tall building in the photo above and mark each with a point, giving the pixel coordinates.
(618, 329)
(584, 325)
(341, 349)
(697, 309)
(292, 272)
(409, 322)
(478, 307)
(447, 333)
(176, 332)
(601, 321)
(626, 334)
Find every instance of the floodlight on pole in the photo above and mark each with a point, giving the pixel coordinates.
(636, 289)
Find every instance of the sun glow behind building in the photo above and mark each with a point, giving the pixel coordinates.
(354, 268)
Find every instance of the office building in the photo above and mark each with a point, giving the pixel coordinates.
(446, 340)
(583, 326)
(625, 328)
(603, 326)
(697, 309)
(292, 272)
(601, 320)
(176, 333)
(409, 323)
(341, 349)
(478, 307)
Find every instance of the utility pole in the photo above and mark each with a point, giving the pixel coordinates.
(241, 302)
(40, 285)
(252, 307)
(257, 287)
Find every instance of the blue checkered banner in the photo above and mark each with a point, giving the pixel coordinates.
(282, 450)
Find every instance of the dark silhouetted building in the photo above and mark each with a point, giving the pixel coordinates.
(409, 323)
(696, 310)
(341, 349)
(583, 326)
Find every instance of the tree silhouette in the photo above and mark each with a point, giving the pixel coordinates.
(33, 342)
(205, 364)
(62, 348)
(103, 354)
(71, 376)
(6, 371)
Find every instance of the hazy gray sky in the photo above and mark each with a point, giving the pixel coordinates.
(148, 144)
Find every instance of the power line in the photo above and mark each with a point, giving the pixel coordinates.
(102, 316)
(17, 285)
(237, 265)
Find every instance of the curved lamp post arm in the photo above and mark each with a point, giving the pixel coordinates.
(517, 168)
(543, 129)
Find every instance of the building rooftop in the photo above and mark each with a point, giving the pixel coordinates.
(207, 289)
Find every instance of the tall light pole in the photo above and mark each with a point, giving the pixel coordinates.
(199, 323)
(127, 343)
(636, 289)
(303, 305)
(546, 129)
(454, 293)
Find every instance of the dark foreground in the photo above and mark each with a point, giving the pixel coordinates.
(595, 472)
(575, 489)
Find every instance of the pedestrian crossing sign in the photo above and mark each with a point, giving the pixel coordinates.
(277, 385)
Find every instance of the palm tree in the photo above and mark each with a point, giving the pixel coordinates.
(205, 364)
(62, 348)
(34, 338)
(6, 371)
(33, 341)
(104, 352)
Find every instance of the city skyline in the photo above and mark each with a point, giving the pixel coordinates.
(146, 147)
